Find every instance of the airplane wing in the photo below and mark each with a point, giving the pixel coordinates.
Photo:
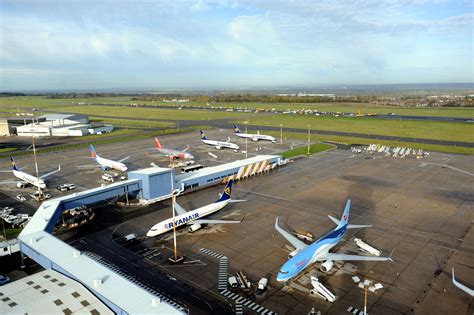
(330, 256)
(205, 221)
(237, 200)
(9, 182)
(122, 160)
(349, 226)
(180, 210)
(290, 238)
(50, 173)
(462, 286)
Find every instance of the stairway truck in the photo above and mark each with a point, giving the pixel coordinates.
(244, 282)
(320, 290)
(366, 247)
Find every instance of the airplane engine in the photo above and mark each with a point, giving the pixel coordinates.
(194, 227)
(254, 139)
(218, 147)
(21, 184)
(105, 168)
(327, 266)
(293, 253)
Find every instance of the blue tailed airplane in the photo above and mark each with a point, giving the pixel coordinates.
(305, 255)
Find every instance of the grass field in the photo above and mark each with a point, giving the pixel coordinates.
(365, 141)
(303, 150)
(132, 123)
(11, 104)
(3, 150)
(412, 129)
(172, 114)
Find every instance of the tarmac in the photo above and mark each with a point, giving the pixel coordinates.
(421, 211)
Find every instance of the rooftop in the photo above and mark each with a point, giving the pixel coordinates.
(49, 292)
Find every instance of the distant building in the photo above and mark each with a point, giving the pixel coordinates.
(61, 125)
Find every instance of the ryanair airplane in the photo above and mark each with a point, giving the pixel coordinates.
(253, 136)
(194, 217)
(305, 255)
(219, 144)
(27, 179)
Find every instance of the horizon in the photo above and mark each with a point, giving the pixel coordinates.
(56, 46)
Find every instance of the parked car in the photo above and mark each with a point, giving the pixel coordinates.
(4, 279)
(20, 198)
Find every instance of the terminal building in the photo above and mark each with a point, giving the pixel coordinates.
(118, 293)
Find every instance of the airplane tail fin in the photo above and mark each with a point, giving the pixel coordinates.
(157, 143)
(227, 191)
(345, 216)
(94, 155)
(13, 164)
(203, 135)
(236, 129)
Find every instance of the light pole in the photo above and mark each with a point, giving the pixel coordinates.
(367, 285)
(309, 136)
(281, 134)
(246, 148)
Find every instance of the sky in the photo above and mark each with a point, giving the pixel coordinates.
(117, 44)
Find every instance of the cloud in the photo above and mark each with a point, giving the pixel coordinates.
(227, 42)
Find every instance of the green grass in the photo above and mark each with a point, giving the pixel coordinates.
(407, 128)
(3, 150)
(158, 113)
(132, 123)
(313, 148)
(11, 233)
(365, 141)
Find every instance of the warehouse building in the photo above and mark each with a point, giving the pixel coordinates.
(61, 125)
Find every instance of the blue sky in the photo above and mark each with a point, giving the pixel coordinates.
(180, 44)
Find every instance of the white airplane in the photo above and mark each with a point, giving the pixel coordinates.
(218, 144)
(27, 179)
(253, 136)
(305, 255)
(193, 218)
(107, 164)
(462, 286)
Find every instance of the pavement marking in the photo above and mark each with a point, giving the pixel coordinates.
(354, 310)
(449, 166)
(240, 301)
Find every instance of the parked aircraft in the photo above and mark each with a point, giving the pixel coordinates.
(218, 144)
(462, 286)
(305, 255)
(193, 218)
(172, 154)
(27, 179)
(107, 164)
(253, 136)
